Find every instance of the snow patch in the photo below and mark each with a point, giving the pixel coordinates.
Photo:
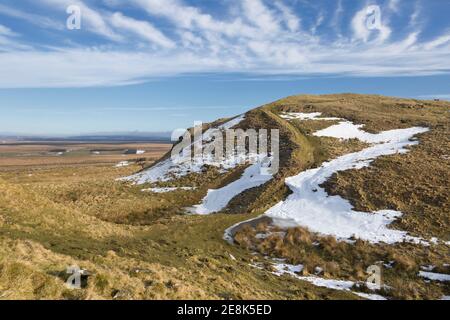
(166, 190)
(122, 164)
(435, 276)
(305, 116)
(428, 268)
(348, 130)
(342, 285)
(311, 207)
(216, 200)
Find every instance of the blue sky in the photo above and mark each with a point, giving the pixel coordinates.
(157, 65)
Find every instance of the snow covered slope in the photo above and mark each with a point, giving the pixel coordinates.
(167, 170)
(311, 207)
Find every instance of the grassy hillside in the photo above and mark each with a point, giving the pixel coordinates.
(415, 184)
(180, 257)
(141, 245)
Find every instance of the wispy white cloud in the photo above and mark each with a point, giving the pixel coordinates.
(143, 29)
(174, 10)
(258, 14)
(319, 20)
(191, 18)
(335, 21)
(394, 5)
(415, 17)
(291, 20)
(5, 31)
(35, 19)
(439, 41)
(87, 68)
(261, 38)
(9, 41)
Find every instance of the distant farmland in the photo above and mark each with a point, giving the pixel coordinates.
(50, 153)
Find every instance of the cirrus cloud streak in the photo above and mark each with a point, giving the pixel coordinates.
(257, 37)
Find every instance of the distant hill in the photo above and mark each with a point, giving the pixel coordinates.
(97, 137)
